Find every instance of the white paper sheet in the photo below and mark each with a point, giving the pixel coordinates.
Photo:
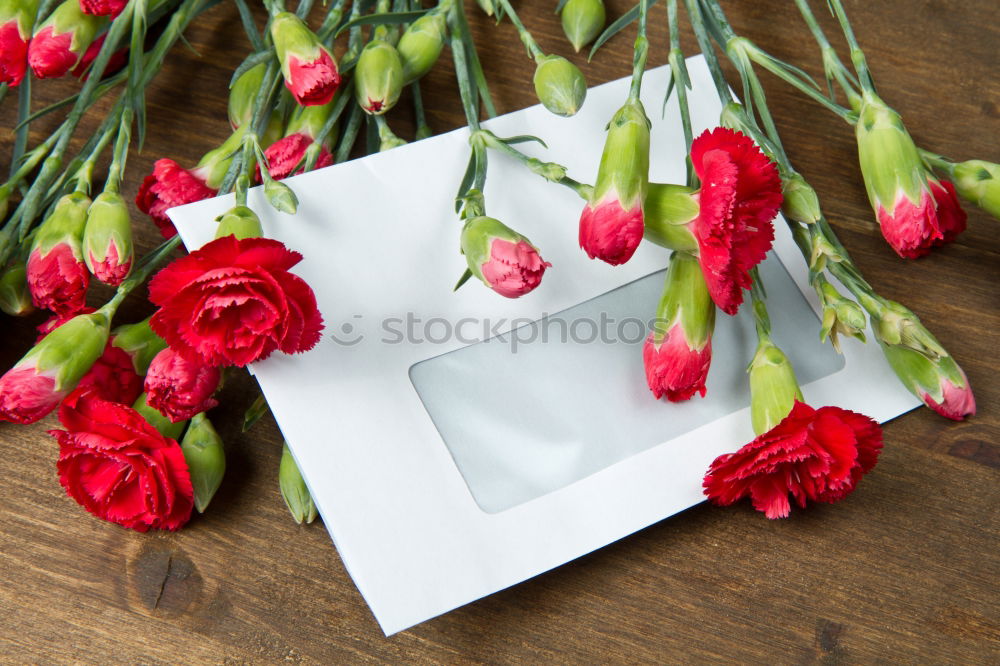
(380, 240)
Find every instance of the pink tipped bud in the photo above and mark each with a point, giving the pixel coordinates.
(60, 42)
(28, 394)
(513, 269)
(609, 232)
(910, 228)
(957, 402)
(180, 388)
(13, 50)
(107, 239)
(673, 368)
(309, 70)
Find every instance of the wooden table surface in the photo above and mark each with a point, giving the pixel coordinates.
(904, 570)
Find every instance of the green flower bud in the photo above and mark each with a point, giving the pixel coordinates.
(140, 342)
(280, 196)
(64, 225)
(668, 210)
(241, 222)
(68, 352)
(503, 259)
(243, 94)
(895, 325)
(686, 300)
(308, 67)
(309, 120)
(939, 383)
(841, 316)
(378, 77)
(206, 459)
(488, 6)
(107, 239)
(889, 159)
(582, 21)
(773, 387)
(215, 163)
(559, 85)
(979, 182)
(800, 201)
(156, 419)
(421, 44)
(294, 490)
(15, 298)
(624, 169)
(68, 17)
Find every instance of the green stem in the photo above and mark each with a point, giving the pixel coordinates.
(465, 86)
(350, 134)
(85, 172)
(23, 112)
(857, 55)
(640, 53)
(554, 173)
(758, 299)
(534, 51)
(705, 43)
(678, 70)
(833, 67)
(120, 154)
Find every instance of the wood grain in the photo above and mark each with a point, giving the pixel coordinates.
(905, 570)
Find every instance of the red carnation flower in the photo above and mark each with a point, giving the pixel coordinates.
(950, 215)
(50, 54)
(815, 454)
(113, 377)
(313, 82)
(58, 280)
(674, 368)
(119, 467)
(285, 154)
(117, 61)
(739, 197)
(169, 185)
(110, 8)
(234, 302)
(13, 53)
(180, 388)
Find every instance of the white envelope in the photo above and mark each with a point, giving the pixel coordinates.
(446, 468)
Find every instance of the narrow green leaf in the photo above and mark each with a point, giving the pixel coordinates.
(617, 26)
(523, 138)
(255, 412)
(463, 189)
(250, 62)
(462, 280)
(380, 19)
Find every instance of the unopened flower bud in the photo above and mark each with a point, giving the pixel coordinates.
(16, 20)
(140, 342)
(421, 44)
(280, 196)
(378, 77)
(841, 316)
(293, 489)
(895, 325)
(979, 182)
(800, 201)
(668, 212)
(488, 6)
(214, 164)
(206, 459)
(678, 352)
(243, 94)
(559, 85)
(15, 299)
(611, 225)
(239, 221)
(57, 275)
(773, 387)
(939, 383)
(503, 259)
(822, 251)
(582, 21)
(309, 69)
(52, 368)
(107, 239)
(61, 40)
(153, 416)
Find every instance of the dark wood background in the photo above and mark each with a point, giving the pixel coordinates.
(905, 570)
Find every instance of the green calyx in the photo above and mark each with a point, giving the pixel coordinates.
(559, 85)
(889, 159)
(292, 37)
(477, 237)
(15, 297)
(206, 459)
(624, 169)
(378, 77)
(667, 211)
(156, 419)
(895, 325)
(800, 202)
(64, 225)
(69, 17)
(22, 11)
(293, 489)
(214, 164)
(140, 342)
(582, 21)
(421, 44)
(685, 300)
(107, 224)
(239, 221)
(243, 93)
(921, 375)
(979, 182)
(69, 351)
(841, 316)
(773, 387)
